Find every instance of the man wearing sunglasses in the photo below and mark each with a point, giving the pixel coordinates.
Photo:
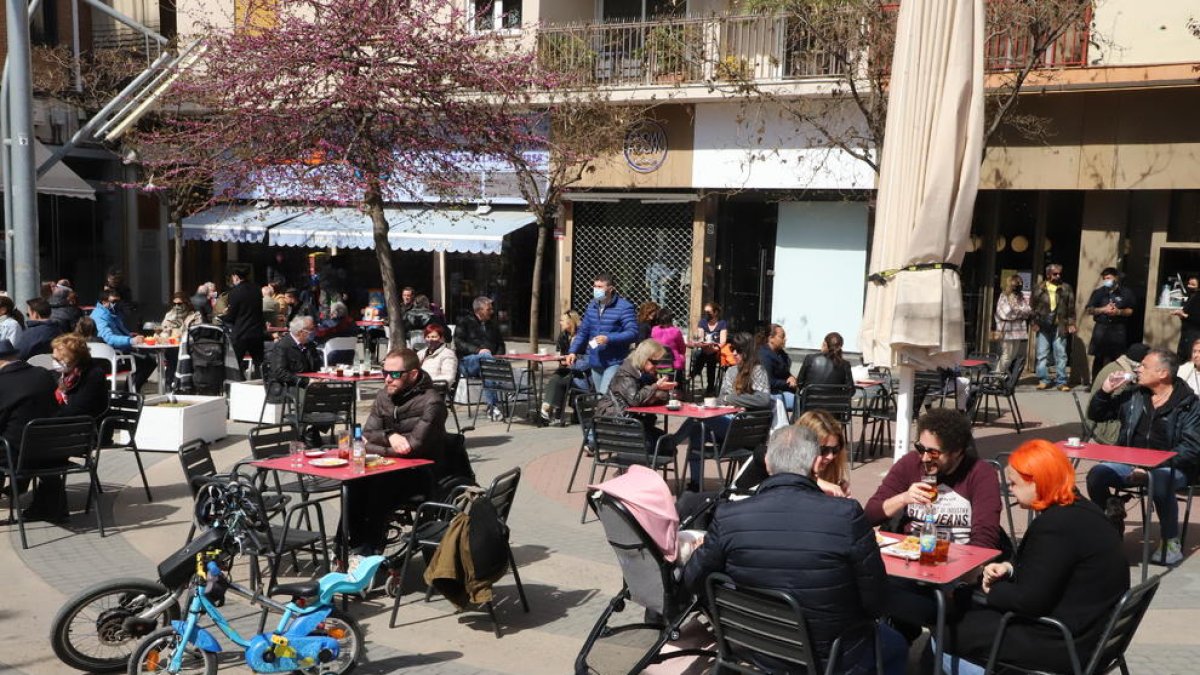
(1053, 324)
(967, 488)
(408, 419)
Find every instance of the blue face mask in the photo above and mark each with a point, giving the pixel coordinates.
(1108, 283)
(598, 293)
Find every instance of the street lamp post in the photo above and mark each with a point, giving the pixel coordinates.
(21, 184)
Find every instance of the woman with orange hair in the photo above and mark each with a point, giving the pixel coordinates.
(1069, 566)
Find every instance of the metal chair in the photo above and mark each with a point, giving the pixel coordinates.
(1087, 428)
(621, 442)
(878, 414)
(585, 409)
(749, 621)
(432, 522)
(574, 391)
(121, 365)
(992, 388)
(1110, 647)
(447, 390)
(124, 414)
(274, 440)
(834, 399)
(327, 404)
(497, 375)
(338, 344)
(999, 462)
(58, 446)
(747, 432)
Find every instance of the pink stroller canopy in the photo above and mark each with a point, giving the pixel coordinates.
(649, 500)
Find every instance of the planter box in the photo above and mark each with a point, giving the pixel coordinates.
(169, 428)
(246, 403)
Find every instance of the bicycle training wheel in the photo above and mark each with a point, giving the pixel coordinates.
(153, 655)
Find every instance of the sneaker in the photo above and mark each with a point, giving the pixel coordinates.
(1172, 553)
(495, 414)
(1064, 387)
(1042, 386)
(1114, 510)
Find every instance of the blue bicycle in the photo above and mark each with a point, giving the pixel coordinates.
(312, 635)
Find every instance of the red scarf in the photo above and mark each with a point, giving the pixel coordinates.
(66, 382)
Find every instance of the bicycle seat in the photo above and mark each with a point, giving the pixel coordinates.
(299, 589)
(336, 582)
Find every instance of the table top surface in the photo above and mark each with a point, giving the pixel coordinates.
(1143, 457)
(686, 410)
(867, 383)
(343, 378)
(363, 323)
(540, 358)
(157, 345)
(340, 473)
(972, 363)
(961, 561)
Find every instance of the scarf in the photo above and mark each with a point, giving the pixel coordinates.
(67, 382)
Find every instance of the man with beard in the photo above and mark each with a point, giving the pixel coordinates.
(408, 419)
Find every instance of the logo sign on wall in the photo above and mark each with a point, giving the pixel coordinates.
(646, 146)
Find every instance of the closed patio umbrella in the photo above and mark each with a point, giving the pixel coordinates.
(929, 176)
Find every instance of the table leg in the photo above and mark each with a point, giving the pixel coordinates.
(343, 542)
(1146, 517)
(939, 632)
(162, 371)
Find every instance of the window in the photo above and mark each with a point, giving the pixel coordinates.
(494, 14)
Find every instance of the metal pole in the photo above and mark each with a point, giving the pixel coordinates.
(907, 376)
(5, 172)
(22, 175)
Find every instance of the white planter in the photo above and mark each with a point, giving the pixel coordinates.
(169, 428)
(246, 402)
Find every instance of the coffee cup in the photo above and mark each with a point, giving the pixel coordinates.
(674, 404)
(1073, 440)
(544, 351)
(710, 401)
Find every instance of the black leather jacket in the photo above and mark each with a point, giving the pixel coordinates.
(1182, 413)
(284, 360)
(820, 369)
(471, 335)
(628, 390)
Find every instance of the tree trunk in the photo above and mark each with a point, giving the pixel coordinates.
(177, 272)
(535, 289)
(383, 254)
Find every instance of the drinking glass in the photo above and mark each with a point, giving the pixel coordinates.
(297, 451)
(941, 551)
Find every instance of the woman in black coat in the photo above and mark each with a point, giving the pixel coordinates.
(1069, 566)
(827, 366)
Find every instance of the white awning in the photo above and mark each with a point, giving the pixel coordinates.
(238, 223)
(410, 229)
(60, 180)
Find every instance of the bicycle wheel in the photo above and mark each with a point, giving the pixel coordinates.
(345, 629)
(154, 652)
(87, 633)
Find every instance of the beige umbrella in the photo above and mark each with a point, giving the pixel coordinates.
(929, 175)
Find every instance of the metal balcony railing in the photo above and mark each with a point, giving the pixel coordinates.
(124, 38)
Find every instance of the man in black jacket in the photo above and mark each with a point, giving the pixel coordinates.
(778, 364)
(244, 315)
(39, 329)
(26, 393)
(1161, 413)
(792, 537)
(477, 338)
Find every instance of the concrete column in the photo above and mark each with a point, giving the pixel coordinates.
(1105, 219)
(566, 248)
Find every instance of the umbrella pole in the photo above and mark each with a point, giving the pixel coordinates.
(904, 407)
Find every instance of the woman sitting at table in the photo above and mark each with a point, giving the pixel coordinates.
(635, 384)
(179, 318)
(745, 386)
(438, 358)
(830, 469)
(558, 382)
(826, 367)
(1069, 566)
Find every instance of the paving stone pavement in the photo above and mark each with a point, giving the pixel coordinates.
(568, 568)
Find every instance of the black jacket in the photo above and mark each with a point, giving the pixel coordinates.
(1182, 412)
(1070, 566)
(820, 369)
(778, 366)
(471, 335)
(244, 313)
(36, 338)
(820, 549)
(89, 396)
(63, 313)
(629, 387)
(284, 360)
(26, 393)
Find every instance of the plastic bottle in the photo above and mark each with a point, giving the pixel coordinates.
(1164, 298)
(358, 455)
(928, 539)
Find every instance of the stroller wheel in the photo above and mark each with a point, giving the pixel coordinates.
(392, 588)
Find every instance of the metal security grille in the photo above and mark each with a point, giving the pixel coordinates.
(646, 247)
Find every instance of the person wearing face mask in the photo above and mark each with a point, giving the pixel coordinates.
(1012, 322)
(1110, 306)
(181, 316)
(608, 329)
(437, 358)
(408, 419)
(1189, 318)
(712, 332)
(110, 327)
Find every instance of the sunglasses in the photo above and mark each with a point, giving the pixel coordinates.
(395, 374)
(830, 449)
(921, 449)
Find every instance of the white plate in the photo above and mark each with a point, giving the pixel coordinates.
(329, 462)
(372, 457)
(314, 453)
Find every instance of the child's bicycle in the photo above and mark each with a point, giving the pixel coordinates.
(312, 635)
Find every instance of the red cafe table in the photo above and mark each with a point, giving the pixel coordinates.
(962, 561)
(342, 474)
(689, 411)
(1142, 458)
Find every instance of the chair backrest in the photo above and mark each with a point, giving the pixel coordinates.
(747, 432)
(647, 575)
(41, 361)
(338, 344)
(124, 413)
(760, 621)
(328, 397)
(498, 371)
(55, 440)
(585, 407)
(832, 398)
(623, 437)
(101, 350)
(272, 440)
(503, 492)
(197, 462)
(1124, 622)
(1013, 377)
(1087, 427)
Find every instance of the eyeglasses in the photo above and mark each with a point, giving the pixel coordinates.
(395, 374)
(830, 449)
(921, 449)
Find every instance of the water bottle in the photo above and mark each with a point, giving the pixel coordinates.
(1164, 298)
(358, 455)
(928, 540)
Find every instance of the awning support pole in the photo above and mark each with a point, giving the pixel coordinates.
(904, 406)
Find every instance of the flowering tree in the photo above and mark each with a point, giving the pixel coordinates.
(345, 102)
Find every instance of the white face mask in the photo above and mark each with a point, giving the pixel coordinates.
(58, 366)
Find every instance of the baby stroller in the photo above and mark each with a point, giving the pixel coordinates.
(206, 361)
(643, 540)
